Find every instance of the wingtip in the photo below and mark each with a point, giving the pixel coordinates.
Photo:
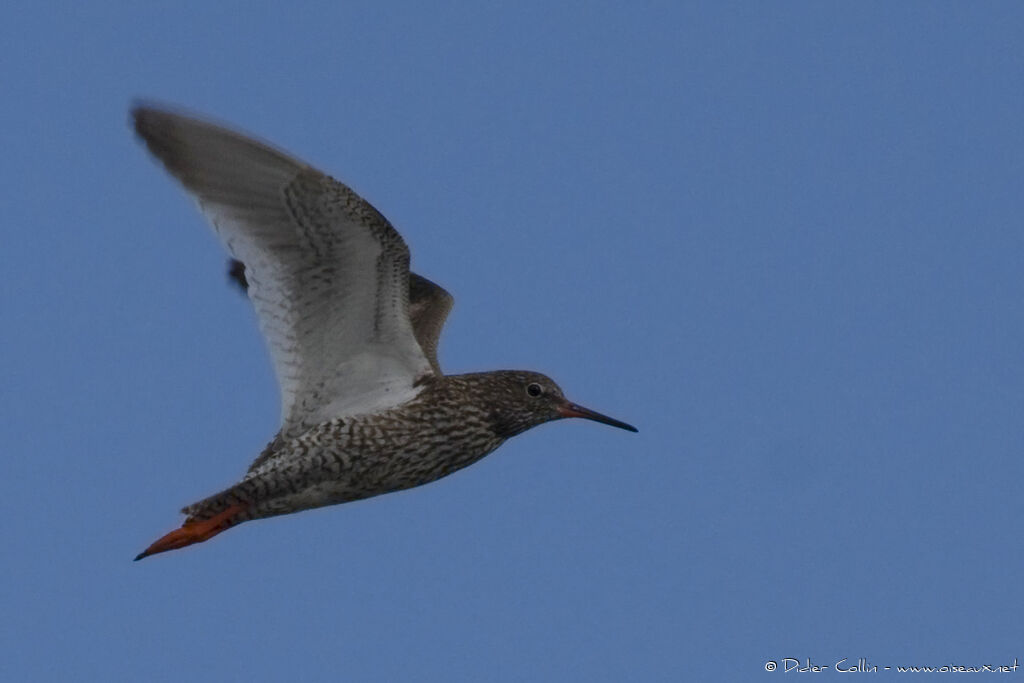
(135, 115)
(143, 105)
(146, 116)
(143, 119)
(141, 109)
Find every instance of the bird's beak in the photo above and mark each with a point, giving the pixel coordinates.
(568, 409)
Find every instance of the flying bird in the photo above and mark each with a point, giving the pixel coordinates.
(365, 407)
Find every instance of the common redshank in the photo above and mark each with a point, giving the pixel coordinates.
(365, 408)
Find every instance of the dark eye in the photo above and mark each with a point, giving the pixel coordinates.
(534, 389)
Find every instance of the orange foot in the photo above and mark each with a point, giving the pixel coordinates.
(194, 532)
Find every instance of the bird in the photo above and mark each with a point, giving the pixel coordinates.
(352, 333)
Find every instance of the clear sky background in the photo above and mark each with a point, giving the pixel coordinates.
(783, 239)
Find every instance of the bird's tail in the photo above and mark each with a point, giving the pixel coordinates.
(196, 530)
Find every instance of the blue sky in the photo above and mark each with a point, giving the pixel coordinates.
(783, 239)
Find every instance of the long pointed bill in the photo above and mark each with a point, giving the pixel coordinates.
(572, 410)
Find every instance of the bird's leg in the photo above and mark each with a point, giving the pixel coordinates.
(194, 531)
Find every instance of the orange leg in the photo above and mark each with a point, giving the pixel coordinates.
(194, 532)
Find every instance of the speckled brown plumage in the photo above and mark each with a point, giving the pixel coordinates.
(353, 334)
(455, 421)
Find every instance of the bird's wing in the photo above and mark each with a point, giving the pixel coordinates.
(429, 305)
(327, 274)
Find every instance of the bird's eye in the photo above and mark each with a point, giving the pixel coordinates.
(534, 389)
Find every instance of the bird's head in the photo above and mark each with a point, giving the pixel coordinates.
(519, 400)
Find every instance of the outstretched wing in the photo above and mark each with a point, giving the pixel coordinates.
(327, 274)
(429, 305)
